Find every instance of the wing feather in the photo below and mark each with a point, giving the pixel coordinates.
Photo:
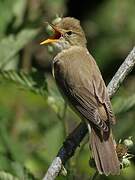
(79, 79)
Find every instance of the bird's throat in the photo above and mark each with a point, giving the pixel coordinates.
(61, 45)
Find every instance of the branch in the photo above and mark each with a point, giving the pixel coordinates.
(74, 139)
(121, 74)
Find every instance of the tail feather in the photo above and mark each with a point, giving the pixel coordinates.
(104, 152)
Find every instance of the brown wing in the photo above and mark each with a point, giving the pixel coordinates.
(80, 80)
(105, 100)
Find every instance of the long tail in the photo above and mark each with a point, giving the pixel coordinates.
(103, 151)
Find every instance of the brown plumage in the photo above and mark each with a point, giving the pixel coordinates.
(79, 80)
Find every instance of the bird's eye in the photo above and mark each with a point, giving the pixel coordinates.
(69, 33)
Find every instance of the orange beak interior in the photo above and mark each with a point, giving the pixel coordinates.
(54, 38)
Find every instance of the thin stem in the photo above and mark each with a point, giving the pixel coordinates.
(95, 175)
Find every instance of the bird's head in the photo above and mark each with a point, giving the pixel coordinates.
(67, 33)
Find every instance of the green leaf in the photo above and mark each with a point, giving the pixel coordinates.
(124, 104)
(19, 11)
(34, 81)
(7, 176)
(10, 45)
(51, 148)
(12, 149)
(21, 172)
(6, 14)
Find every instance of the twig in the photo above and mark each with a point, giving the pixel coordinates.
(66, 151)
(74, 139)
(121, 74)
(95, 175)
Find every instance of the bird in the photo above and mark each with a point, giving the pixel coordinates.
(81, 84)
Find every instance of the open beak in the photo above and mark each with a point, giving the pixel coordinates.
(54, 38)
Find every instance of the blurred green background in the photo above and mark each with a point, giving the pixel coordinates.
(31, 127)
